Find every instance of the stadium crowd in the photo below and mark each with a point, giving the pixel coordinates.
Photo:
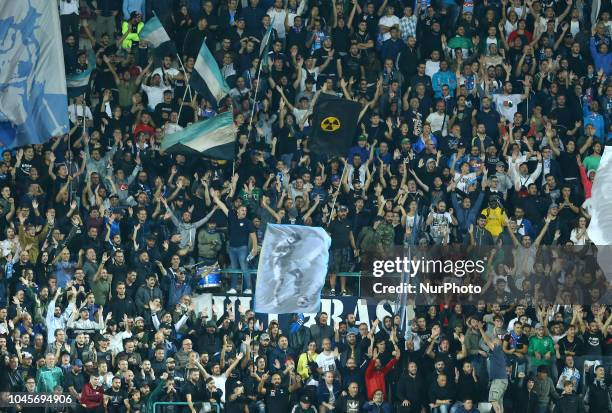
(482, 129)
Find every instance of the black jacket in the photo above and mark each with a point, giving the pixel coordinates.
(411, 389)
(570, 403)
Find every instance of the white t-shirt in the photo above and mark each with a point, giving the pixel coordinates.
(507, 105)
(388, 21)
(171, 72)
(68, 7)
(431, 68)
(155, 94)
(327, 362)
(438, 122)
(220, 384)
(278, 21)
(464, 181)
(75, 111)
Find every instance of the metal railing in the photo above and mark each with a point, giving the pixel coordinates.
(340, 274)
(216, 408)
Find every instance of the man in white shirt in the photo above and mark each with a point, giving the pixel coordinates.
(69, 18)
(438, 120)
(166, 69)
(387, 22)
(155, 91)
(506, 103)
(78, 109)
(277, 15)
(326, 360)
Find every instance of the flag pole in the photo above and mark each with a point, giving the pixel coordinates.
(263, 48)
(336, 196)
(255, 97)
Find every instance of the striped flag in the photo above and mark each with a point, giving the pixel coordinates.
(206, 77)
(154, 32)
(77, 83)
(214, 137)
(265, 46)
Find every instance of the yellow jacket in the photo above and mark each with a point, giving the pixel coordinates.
(302, 366)
(496, 219)
(132, 37)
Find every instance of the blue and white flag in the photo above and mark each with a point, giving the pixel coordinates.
(154, 32)
(214, 137)
(264, 47)
(206, 77)
(77, 83)
(33, 103)
(292, 269)
(598, 206)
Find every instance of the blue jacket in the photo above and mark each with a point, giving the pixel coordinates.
(602, 61)
(133, 5)
(281, 356)
(370, 407)
(323, 391)
(391, 48)
(440, 79)
(466, 216)
(357, 150)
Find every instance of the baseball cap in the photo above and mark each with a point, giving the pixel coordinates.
(405, 141)
(305, 399)
(362, 138)
(264, 336)
(335, 178)
(78, 363)
(500, 163)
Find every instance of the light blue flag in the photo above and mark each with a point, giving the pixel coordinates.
(292, 269)
(154, 32)
(206, 74)
(214, 137)
(33, 103)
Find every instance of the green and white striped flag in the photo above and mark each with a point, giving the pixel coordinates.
(206, 73)
(154, 32)
(264, 48)
(214, 137)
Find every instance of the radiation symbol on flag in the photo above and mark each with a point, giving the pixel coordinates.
(330, 124)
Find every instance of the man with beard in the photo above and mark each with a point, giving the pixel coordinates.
(116, 399)
(193, 389)
(352, 350)
(410, 390)
(276, 393)
(351, 400)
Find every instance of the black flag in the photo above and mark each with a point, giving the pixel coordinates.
(334, 125)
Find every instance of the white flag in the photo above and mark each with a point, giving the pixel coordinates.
(599, 207)
(292, 269)
(33, 103)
